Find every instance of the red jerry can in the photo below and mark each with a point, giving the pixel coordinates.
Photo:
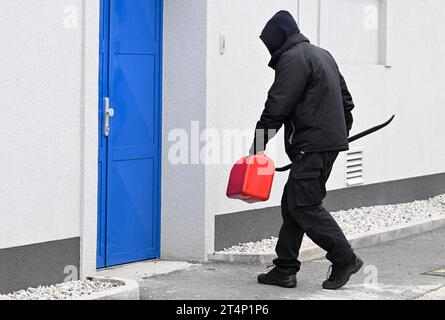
(251, 179)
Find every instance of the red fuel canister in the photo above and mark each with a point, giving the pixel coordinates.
(251, 179)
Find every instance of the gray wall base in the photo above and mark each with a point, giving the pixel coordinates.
(38, 264)
(240, 227)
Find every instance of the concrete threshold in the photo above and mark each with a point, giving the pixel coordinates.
(130, 275)
(145, 269)
(128, 290)
(357, 241)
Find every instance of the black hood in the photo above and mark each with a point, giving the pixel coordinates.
(278, 30)
(292, 41)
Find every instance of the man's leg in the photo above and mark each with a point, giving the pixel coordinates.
(289, 240)
(306, 191)
(324, 231)
(321, 227)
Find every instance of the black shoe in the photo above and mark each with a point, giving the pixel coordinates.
(340, 275)
(278, 277)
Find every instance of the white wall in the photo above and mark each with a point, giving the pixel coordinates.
(89, 139)
(412, 88)
(349, 27)
(40, 131)
(184, 231)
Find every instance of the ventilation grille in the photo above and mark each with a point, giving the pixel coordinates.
(354, 168)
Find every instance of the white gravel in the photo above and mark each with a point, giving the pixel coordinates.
(64, 291)
(360, 220)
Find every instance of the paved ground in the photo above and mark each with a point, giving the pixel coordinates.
(392, 271)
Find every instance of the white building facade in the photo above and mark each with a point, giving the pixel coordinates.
(75, 198)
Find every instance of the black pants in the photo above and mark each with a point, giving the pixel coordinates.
(303, 212)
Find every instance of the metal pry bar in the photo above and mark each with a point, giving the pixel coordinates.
(351, 139)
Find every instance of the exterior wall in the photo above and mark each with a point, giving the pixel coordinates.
(89, 139)
(48, 135)
(40, 134)
(411, 88)
(183, 217)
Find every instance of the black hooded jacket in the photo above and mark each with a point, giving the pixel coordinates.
(309, 95)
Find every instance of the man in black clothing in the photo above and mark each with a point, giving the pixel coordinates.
(310, 98)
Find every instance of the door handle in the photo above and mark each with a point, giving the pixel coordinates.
(109, 113)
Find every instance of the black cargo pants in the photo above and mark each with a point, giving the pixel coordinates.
(303, 212)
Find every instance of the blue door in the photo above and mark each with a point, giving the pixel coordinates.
(130, 131)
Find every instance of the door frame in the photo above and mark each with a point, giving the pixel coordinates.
(103, 91)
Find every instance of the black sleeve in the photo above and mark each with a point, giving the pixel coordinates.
(291, 76)
(348, 104)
